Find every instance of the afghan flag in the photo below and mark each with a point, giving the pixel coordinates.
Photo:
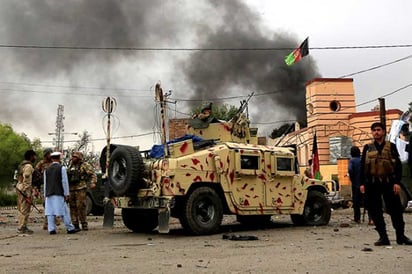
(315, 159)
(298, 53)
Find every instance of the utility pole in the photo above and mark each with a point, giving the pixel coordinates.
(58, 140)
(382, 112)
(59, 132)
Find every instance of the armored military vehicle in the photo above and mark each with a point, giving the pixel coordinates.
(198, 181)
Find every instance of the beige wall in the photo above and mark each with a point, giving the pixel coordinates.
(327, 120)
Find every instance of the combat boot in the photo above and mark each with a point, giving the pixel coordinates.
(383, 239)
(84, 226)
(76, 226)
(401, 239)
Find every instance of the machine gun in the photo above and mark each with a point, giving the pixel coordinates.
(242, 108)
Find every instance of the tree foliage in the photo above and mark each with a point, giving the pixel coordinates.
(222, 112)
(12, 148)
(285, 129)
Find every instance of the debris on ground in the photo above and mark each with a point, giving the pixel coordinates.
(240, 237)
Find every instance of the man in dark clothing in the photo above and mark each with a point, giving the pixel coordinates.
(355, 178)
(381, 171)
(56, 192)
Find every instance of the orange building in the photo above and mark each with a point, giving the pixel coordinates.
(331, 113)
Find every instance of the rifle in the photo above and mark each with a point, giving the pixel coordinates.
(28, 200)
(242, 108)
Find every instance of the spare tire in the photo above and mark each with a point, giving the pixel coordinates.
(126, 171)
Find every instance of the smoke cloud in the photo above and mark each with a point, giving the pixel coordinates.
(89, 74)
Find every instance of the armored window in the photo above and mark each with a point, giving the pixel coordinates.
(249, 162)
(284, 164)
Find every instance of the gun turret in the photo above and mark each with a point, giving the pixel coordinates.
(235, 130)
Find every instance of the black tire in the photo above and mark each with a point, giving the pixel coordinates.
(202, 212)
(89, 205)
(140, 220)
(317, 210)
(254, 220)
(126, 171)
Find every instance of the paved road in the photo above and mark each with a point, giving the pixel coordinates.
(340, 247)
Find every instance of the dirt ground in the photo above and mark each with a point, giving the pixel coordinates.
(340, 247)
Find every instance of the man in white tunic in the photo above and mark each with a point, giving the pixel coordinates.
(56, 192)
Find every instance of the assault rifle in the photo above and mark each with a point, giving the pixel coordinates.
(28, 200)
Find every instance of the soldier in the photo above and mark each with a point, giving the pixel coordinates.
(381, 170)
(38, 181)
(24, 191)
(80, 173)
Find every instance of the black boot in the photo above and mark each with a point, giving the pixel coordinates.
(383, 239)
(403, 240)
(76, 226)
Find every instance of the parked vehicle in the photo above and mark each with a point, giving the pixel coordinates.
(94, 198)
(226, 172)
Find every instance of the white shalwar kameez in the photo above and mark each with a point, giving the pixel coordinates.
(55, 205)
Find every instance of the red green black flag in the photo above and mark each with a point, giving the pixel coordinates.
(315, 159)
(298, 53)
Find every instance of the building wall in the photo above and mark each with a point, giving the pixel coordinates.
(331, 112)
(177, 127)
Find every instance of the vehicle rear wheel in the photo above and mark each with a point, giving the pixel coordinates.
(126, 171)
(203, 212)
(140, 220)
(317, 210)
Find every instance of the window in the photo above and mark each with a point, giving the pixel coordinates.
(284, 164)
(249, 162)
(334, 106)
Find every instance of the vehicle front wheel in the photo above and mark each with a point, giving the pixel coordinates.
(203, 212)
(317, 210)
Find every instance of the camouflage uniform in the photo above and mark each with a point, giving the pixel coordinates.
(80, 174)
(24, 191)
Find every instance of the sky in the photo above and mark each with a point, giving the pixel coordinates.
(34, 81)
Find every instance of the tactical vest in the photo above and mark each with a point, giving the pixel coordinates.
(379, 165)
(20, 168)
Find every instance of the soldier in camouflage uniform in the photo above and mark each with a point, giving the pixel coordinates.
(80, 174)
(24, 191)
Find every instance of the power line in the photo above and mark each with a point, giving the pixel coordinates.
(386, 95)
(104, 139)
(4, 90)
(377, 67)
(76, 87)
(198, 49)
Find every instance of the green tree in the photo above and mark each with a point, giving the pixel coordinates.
(12, 148)
(222, 112)
(285, 129)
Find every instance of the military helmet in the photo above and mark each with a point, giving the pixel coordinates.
(207, 107)
(78, 154)
(47, 151)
